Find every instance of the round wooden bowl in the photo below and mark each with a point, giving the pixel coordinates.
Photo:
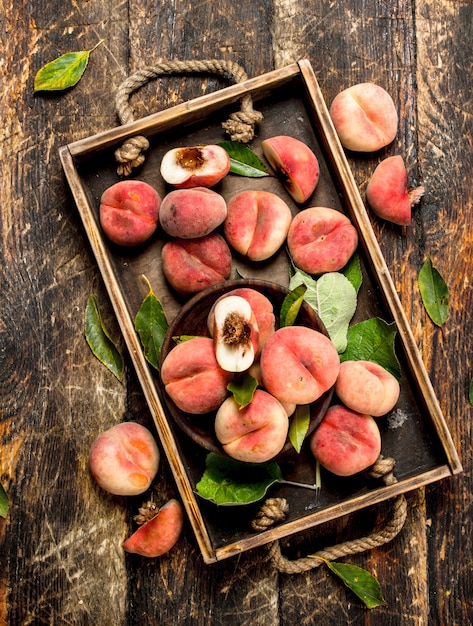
(192, 320)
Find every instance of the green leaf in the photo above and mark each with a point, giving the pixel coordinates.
(151, 325)
(4, 503)
(291, 306)
(230, 482)
(361, 582)
(62, 73)
(243, 161)
(352, 271)
(99, 340)
(434, 293)
(373, 340)
(243, 389)
(299, 426)
(333, 298)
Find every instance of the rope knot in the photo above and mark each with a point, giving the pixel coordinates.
(273, 510)
(130, 154)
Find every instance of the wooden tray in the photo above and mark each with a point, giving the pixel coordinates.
(292, 104)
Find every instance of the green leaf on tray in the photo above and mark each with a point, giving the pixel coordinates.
(434, 292)
(4, 503)
(151, 325)
(99, 340)
(352, 271)
(299, 426)
(358, 580)
(243, 389)
(373, 340)
(62, 73)
(291, 305)
(243, 161)
(230, 482)
(333, 297)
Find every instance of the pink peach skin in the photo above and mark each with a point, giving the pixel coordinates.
(346, 442)
(321, 240)
(256, 224)
(129, 212)
(124, 459)
(192, 377)
(195, 166)
(298, 364)
(387, 193)
(255, 433)
(365, 117)
(191, 213)
(158, 535)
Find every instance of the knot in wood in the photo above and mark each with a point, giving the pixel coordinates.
(273, 510)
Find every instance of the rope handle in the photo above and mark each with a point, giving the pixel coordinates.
(240, 125)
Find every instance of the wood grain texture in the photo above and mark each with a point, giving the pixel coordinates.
(60, 544)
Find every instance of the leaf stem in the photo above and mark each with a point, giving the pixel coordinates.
(295, 484)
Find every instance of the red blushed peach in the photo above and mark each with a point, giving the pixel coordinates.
(321, 240)
(191, 265)
(159, 534)
(192, 377)
(256, 433)
(294, 163)
(129, 212)
(196, 166)
(346, 442)
(367, 387)
(387, 193)
(124, 459)
(256, 224)
(364, 117)
(191, 213)
(298, 364)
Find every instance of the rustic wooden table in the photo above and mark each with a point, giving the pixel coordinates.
(60, 550)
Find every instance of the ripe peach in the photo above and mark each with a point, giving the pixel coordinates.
(367, 387)
(298, 364)
(387, 192)
(129, 212)
(191, 213)
(192, 377)
(256, 433)
(159, 534)
(195, 166)
(294, 163)
(257, 223)
(321, 240)
(364, 117)
(191, 265)
(124, 459)
(346, 442)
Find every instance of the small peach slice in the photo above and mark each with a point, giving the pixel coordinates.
(255, 433)
(346, 442)
(195, 166)
(321, 240)
(235, 334)
(158, 535)
(365, 117)
(387, 193)
(294, 163)
(257, 223)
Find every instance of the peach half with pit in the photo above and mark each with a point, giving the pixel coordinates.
(388, 195)
(367, 387)
(255, 433)
(257, 223)
(346, 442)
(195, 166)
(192, 265)
(321, 239)
(124, 459)
(192, 377)
(294, 163)
(298, 364)
(129, 212)
(192, 213)
(364, 117)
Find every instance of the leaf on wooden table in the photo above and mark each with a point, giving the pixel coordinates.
(151, 325)
(4, 503)
(64, 72)
(243, 161)
(434, 292)
(299, 426)
(99, 340)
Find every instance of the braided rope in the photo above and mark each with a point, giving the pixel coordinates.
(240, 125)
